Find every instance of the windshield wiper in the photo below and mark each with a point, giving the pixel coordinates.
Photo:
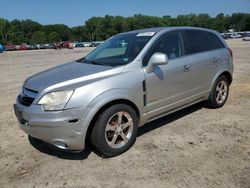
(81, 60)
(99, 63)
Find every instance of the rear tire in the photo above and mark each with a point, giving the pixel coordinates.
(115, 130)
(219, 93)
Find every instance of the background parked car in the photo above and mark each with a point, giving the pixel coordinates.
(79, 45)
(246, 37)
(10, 47)
(83, 44)
(65, 44)
(225, 35)
(42, 46)
(33, 47)
(2, 48)
(59, 45)
(95, 44)
(235, 36)
(87, 44)
(23, 47)
(51, 46)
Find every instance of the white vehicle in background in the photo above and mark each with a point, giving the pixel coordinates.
(87, 44)
(82, 44)
(246, 37)
(235, 36)
(96, 43)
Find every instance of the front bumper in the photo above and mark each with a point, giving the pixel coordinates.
(63, 129)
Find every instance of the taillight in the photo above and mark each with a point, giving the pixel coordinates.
(231, 52)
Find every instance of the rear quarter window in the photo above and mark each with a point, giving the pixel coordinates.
(214, 41)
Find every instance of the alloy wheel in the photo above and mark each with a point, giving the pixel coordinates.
(221, 92)
(119, 129)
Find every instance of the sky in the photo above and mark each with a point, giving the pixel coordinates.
(76, 12)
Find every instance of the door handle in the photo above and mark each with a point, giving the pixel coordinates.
(214, 59)
(186, 68)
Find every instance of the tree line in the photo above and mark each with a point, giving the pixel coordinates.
(101, 28)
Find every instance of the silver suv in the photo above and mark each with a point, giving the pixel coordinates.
(127, 81)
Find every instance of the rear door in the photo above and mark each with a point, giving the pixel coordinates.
(204, 59)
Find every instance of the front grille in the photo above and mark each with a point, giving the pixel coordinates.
(27, 96)
(26, 101)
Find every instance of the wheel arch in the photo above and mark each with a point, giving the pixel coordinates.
(104, 107)
(227, 75)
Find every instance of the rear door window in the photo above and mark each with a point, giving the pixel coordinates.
(196, 41)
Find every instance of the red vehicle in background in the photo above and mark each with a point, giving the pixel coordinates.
(10, 47)
(23, 47)
(65, 44)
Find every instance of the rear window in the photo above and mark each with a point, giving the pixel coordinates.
(200, 41)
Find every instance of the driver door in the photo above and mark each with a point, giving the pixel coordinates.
(168, 86)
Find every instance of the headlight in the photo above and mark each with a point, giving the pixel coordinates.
(55, 100)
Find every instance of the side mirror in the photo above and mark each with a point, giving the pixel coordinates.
(156, 59)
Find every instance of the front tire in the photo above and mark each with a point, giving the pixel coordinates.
(219, 93)
(115, 130)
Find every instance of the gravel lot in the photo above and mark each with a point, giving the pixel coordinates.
(195, 147)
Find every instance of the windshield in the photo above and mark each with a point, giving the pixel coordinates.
(118, 50)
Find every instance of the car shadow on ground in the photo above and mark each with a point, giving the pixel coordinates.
(164, 121)
(51, 150)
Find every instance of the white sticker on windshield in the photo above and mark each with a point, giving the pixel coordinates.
(145, 34)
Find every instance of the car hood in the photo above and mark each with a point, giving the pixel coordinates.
(73, 73)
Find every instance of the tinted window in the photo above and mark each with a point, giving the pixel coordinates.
(214, 41)
(196, 41)
(170, 44)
